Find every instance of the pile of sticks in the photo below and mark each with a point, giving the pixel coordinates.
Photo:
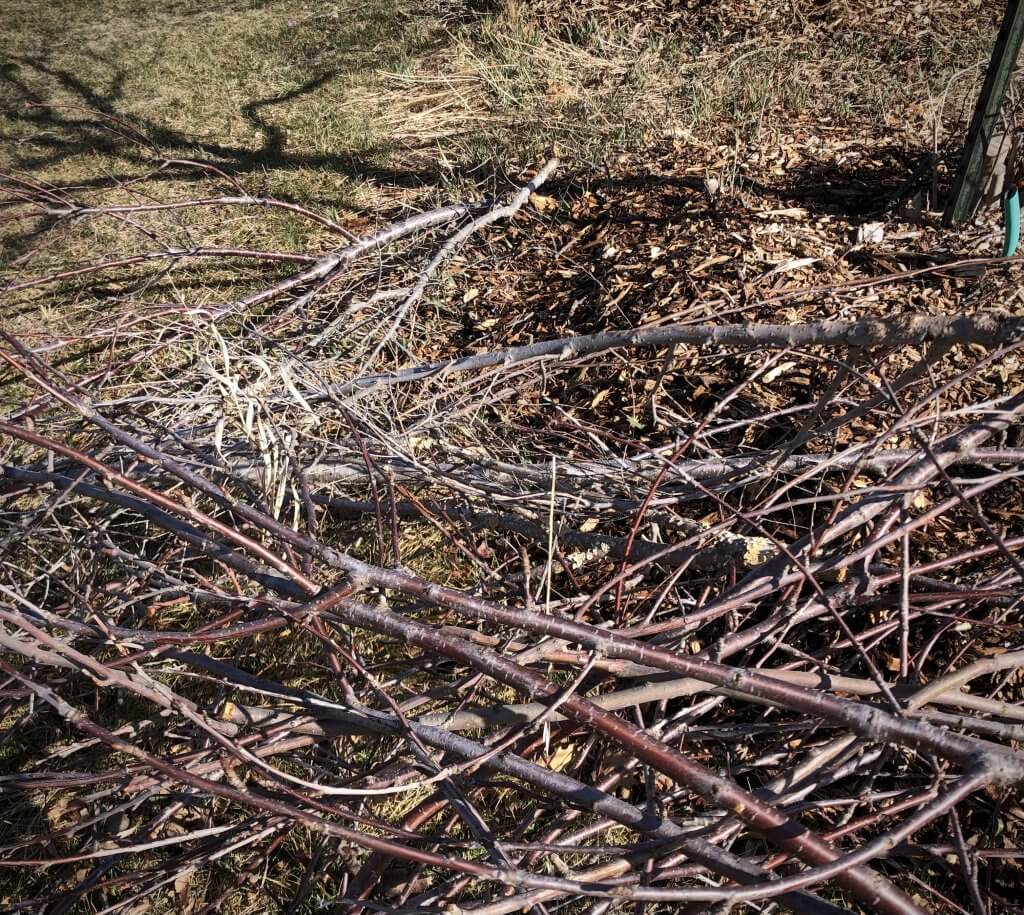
(276, 588)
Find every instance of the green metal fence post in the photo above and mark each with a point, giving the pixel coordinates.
(970, 173)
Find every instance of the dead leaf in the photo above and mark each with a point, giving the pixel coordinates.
(921, 501)
(562, 756)
(542, 203)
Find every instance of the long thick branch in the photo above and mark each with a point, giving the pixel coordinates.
(986, 330)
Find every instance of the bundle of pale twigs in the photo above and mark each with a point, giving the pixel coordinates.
(297, 603)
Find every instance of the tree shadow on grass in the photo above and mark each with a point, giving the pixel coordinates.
(93, 124)
(90, 122)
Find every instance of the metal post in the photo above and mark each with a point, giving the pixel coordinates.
(970, 172)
